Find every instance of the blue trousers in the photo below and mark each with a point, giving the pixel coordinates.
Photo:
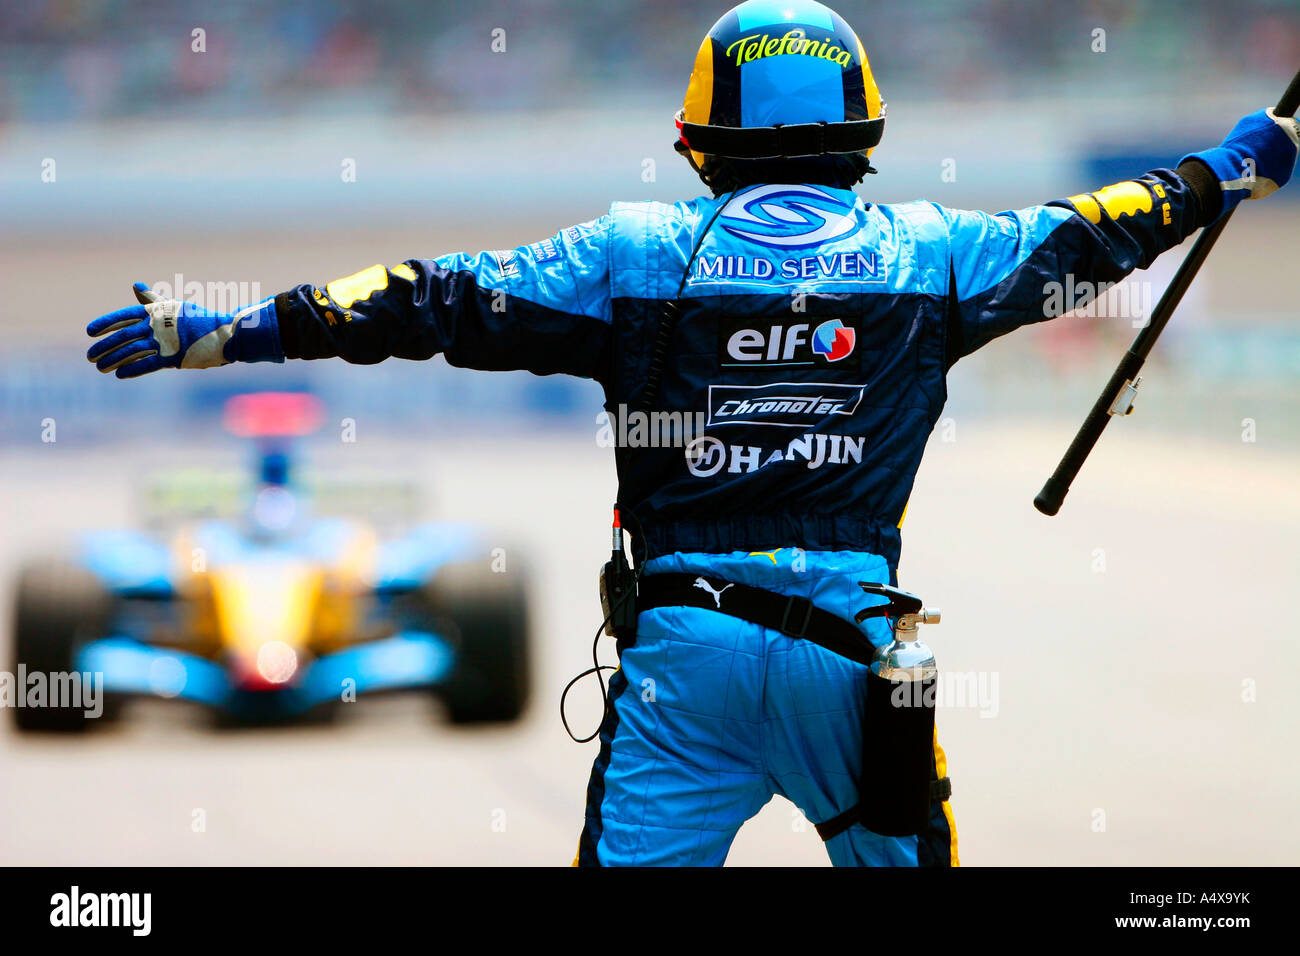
(710, 716)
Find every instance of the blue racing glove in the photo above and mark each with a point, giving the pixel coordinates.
(167, 333)
(1256, 159)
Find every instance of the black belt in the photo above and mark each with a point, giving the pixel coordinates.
(792, 616)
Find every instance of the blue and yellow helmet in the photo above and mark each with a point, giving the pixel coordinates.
(779, 79)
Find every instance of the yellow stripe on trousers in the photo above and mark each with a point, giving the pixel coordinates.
(941, 770)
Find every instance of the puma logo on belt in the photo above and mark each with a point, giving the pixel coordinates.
(717, 595)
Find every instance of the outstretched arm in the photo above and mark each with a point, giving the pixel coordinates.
(542, 307)
(1009, 269)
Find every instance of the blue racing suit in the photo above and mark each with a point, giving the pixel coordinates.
(797, 385)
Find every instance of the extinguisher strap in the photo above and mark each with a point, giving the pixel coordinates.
(940, 790)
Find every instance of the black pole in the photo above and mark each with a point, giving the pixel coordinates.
(1057, 486)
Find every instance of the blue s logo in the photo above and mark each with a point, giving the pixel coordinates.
(789, 217)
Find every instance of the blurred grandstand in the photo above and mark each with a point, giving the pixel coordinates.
(271, 144)
(111, 59)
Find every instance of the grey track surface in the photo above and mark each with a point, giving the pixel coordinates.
(1120, 691)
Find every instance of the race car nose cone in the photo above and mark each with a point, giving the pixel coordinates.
(276, 662)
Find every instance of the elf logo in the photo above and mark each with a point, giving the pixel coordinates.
(794, 344)
(833, 341)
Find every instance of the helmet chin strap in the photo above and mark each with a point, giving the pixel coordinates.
(685, 151)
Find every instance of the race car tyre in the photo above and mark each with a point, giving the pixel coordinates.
(487, 611)
(58, 607)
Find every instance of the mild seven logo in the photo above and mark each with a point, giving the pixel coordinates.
(789, 217)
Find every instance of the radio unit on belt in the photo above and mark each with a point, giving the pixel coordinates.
(618, 587)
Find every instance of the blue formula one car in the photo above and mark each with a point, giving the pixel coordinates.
(278, 609)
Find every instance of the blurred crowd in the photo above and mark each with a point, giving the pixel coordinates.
(104, 59)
